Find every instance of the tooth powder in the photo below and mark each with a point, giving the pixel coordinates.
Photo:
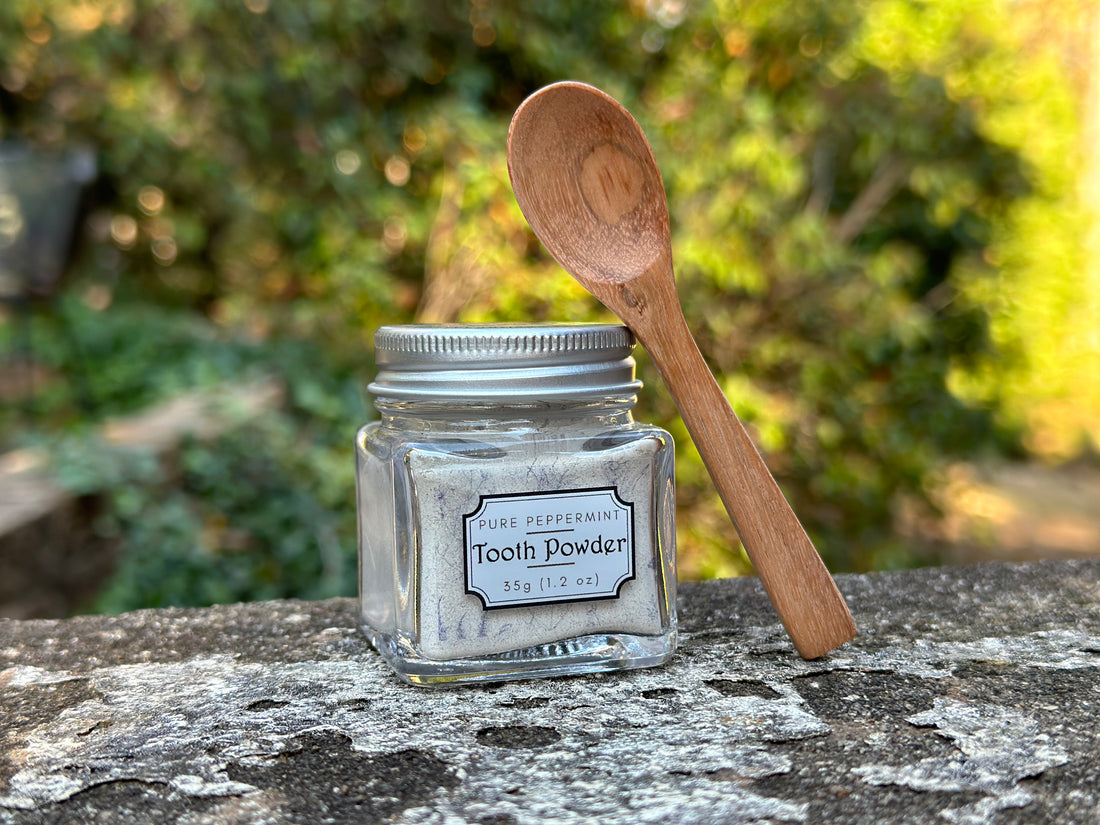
(514, 520)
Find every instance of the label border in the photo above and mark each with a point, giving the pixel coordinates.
(482, 498)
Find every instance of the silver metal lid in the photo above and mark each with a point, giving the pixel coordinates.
(519, 362)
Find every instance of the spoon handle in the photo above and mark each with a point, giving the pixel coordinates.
(804, 594)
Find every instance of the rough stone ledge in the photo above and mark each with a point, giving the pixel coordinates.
(971, 696)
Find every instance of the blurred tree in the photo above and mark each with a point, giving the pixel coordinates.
(876, 223)
(852, 183)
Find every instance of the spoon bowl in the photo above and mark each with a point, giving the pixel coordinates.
(585, 177)
(600, 210)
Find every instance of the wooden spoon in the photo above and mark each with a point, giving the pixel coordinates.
(587, 182)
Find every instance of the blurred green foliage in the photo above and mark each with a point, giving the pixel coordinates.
(876, 230)
(263, 510)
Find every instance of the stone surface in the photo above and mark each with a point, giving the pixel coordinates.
(970, 696)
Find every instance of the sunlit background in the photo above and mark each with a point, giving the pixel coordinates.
(884, 235)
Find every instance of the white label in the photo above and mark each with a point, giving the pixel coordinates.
(538, 548)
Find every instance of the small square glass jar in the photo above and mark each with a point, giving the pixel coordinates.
(514, 520)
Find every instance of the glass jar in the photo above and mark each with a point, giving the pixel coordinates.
(514, 520)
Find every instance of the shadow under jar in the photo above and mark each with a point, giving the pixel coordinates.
(514, 520)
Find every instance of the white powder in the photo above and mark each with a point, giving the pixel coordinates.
(455, 624)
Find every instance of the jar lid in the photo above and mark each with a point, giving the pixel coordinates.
(521, 362)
